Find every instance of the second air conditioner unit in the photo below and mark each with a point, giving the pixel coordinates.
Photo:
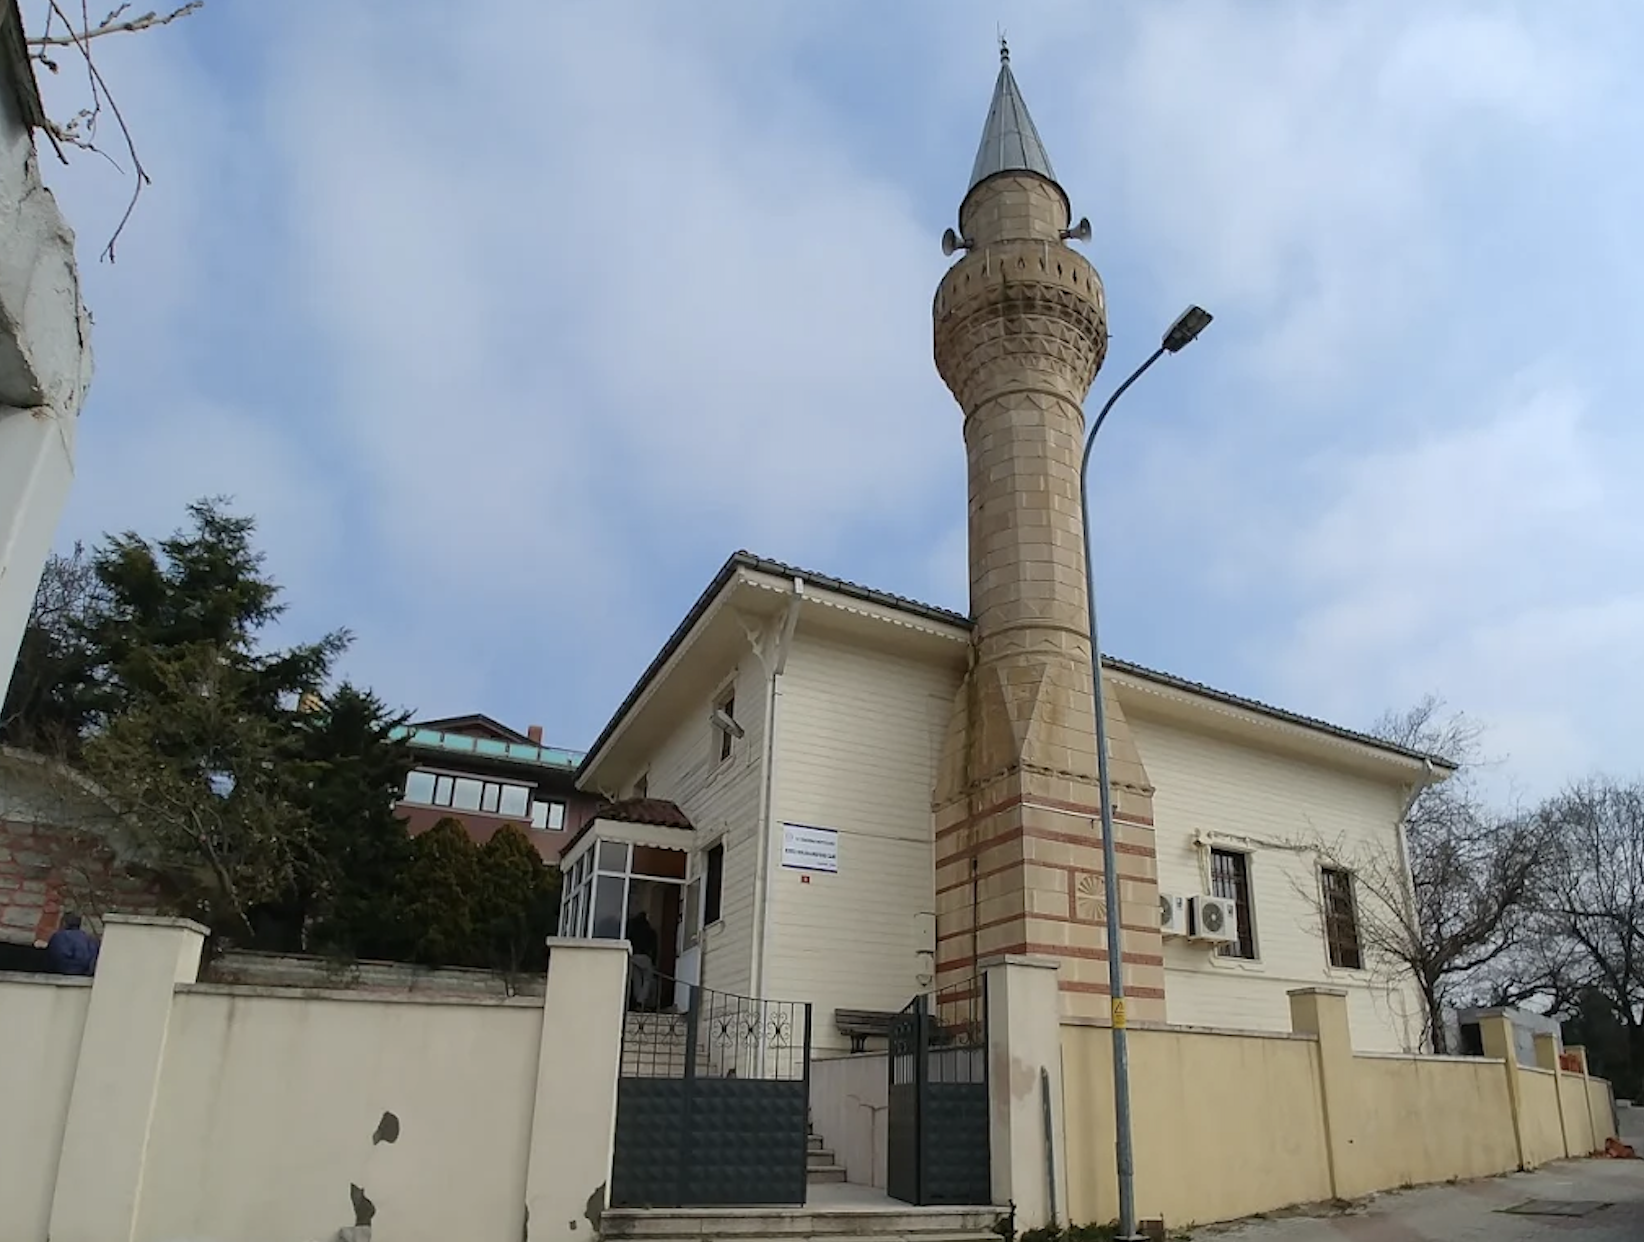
(1214, 920)
(1172, 915)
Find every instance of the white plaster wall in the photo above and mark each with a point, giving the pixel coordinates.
(45, 368)
(722, 800)
(849, 1095)
(1273, 801)
(859, 735)
(41, 1021)
(267, 1107)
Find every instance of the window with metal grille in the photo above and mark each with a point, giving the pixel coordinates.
(1230, 879)
(1341, 918)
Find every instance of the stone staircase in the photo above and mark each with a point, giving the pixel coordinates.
(820, 1168)
(888, 1222)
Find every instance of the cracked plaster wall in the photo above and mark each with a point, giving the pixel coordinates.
(45, 368)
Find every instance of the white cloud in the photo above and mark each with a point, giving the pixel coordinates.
(1495, 563)
(1291, 168)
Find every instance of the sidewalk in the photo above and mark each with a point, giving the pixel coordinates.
(1475, 1211)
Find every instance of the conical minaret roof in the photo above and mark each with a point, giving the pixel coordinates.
(1010, 142)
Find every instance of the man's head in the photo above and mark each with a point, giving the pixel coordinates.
(71, 922)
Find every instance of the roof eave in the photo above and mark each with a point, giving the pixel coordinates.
(14, 51)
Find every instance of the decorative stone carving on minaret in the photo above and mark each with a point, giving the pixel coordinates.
(1020, 332)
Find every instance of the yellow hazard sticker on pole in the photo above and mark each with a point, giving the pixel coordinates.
(1119, 1011)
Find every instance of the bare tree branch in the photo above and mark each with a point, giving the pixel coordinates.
(112, 24)
(1461, 899)
(81, 129)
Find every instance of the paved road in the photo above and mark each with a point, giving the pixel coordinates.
(1474, 1211)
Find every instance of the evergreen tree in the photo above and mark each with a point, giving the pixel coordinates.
(345, 893)
(201, 589)
(516, 903)
(189, 723)
(438, 891)
(202, 787)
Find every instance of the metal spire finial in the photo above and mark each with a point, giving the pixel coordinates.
(1010, 143)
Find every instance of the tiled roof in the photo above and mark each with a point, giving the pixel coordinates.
(945, 616)
(657, 811)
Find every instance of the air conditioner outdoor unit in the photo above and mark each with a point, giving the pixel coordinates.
(1214, 920)
(1172, 915)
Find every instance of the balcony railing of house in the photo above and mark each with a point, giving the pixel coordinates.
(493, 748)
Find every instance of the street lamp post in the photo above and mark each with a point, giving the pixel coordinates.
(1181, 334)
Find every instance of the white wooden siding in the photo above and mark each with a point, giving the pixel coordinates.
(722, 801)
(1207, 784)
(859, 734)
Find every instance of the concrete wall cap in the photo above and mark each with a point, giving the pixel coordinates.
(1034, 961)
(583, 942)
(1317, 991)
(154, 920)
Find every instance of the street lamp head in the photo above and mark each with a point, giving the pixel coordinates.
(1188, 325)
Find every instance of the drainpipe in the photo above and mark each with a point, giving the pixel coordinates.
(1409, 874)
(767, 808)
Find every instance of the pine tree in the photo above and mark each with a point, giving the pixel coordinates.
(345, 894)
(189, 722)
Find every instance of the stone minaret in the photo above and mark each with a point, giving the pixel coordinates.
(1021, 330)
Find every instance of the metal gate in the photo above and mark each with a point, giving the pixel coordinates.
(713, 1104)
(937, 1119)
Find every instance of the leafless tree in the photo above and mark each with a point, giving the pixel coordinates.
(32, 712)
(1461, 898)
(1593, 909)
(61, 34)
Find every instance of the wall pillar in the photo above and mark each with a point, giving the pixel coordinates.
(1496, 1031)
(1024, 1044)
(1322, 1013)
(1547, 1059)
(573, 1126)
(105, 1136)
(1593, 1128)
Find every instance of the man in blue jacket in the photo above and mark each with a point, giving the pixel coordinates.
(72, 949)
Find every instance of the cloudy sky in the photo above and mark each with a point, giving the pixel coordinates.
(509, 327)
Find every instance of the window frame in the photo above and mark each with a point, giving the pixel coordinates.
(713, 884)
(1332, 919)
(724, 739)
(1245, 948)
(493, 797)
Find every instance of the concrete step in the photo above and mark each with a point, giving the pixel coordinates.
(793, 1224)
(816, 1156)
(822, 1174)
(814, 1141)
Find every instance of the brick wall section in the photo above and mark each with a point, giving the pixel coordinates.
(46, 870)
(1021, 331)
